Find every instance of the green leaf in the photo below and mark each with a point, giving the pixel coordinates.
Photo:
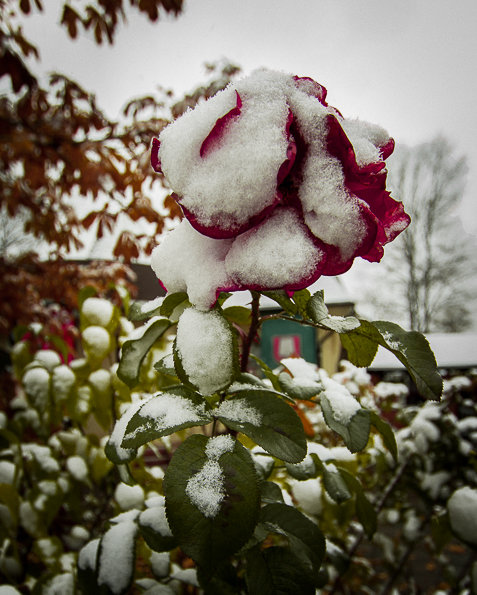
(386, 432)
(158, 539)
(163, 366)
(282, 299)
(85, 293)
(335, 485)
(318, 312)
(171, 301)
(355, 433)
(224, 582)
(276, 571)
(366, 514)
(268, 420)
(140, 311)
(364, 509)
(211, 539)
(303, 392)
(135, 350)
(301, 299)
(271, 492)
(307, 469)
(268, 372)
(304, 537)
(238, 314)
(411, 348)
(362, 345)
(167, 412)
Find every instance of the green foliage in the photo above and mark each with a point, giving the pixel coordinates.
(251, 477)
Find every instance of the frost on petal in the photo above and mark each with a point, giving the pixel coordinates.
(280, 253)
(205, 346)
(189, 261)
(234, 182)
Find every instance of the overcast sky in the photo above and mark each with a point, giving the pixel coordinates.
(408, 65)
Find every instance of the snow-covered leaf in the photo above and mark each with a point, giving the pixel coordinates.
(354, 432)
(212, 498)
(318, 312)
(268, 420)
(334, 484)
(410, 347)
(116, 557)
(135, 350)
(165, 413)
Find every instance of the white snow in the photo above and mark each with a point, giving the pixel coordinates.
(129, 496)
(7, 472)
(60, 584)
(235, 179)
(76, 465)
(97, 311)
(435, 483)
(100, 380)
(308, 494)
(42, 454)
(47, 358)
(151, 305)
(160, 562)
(62, 380)
(239, 410)
(342, 402)
(462, 507)
(117, 556)
(119, 430)
(97, 339)
(186, 260)
(276, 253)
(36, 382)
(304, 373)
(156, 519)
(206, 489)
(204, 343)
(87, 555)
(384, 390)
(219, 445)
(168, 410)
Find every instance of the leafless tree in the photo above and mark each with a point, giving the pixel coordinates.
(431, 265)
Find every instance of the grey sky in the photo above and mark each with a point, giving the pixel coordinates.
(408, 65)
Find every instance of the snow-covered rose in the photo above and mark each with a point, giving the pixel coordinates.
(277, 189)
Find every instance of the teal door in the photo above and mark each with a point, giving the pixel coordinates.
(285, 338)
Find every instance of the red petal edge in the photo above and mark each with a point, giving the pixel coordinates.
(219, 127)
(311, 87)
(155, 161)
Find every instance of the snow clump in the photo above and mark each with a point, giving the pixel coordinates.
(205, 347)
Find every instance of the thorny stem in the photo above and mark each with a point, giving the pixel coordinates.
(252, 332)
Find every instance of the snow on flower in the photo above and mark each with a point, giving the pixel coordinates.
(277, 189)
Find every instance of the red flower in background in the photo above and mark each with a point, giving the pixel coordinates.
(277, 189)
